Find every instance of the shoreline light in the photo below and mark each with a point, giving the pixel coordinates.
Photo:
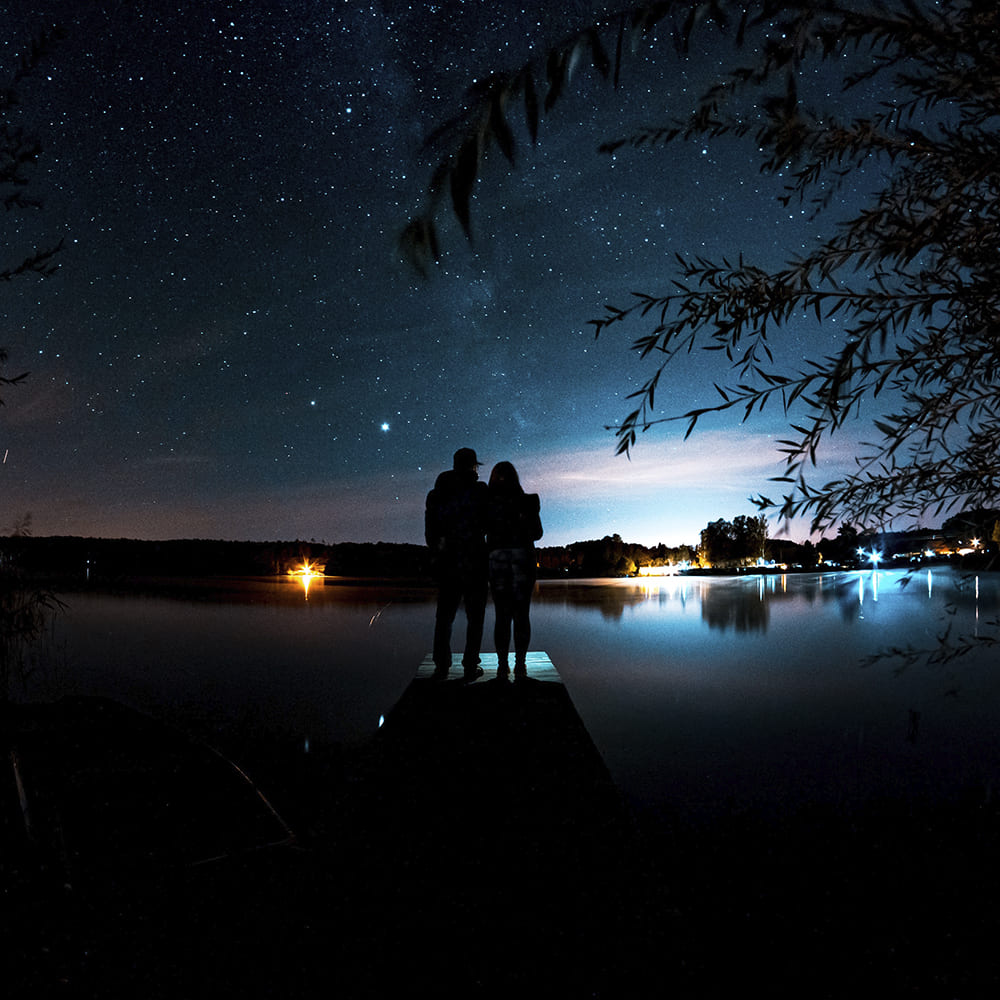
(305, 574)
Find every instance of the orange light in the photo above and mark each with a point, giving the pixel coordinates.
(306, 573)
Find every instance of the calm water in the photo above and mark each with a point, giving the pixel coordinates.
(702, 694)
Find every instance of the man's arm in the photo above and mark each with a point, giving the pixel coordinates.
(432, 530)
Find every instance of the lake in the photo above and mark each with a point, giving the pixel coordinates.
(705, 695)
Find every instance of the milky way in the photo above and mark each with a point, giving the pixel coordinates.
(232, 346)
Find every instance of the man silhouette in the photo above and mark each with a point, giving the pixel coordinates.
(455, 531)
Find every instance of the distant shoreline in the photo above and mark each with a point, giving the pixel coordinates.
(75, 563)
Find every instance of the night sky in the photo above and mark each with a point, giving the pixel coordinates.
(232, 347)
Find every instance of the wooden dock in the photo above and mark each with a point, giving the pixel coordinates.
(501, 756)
(499, 759)
(497, 836)
(539, 666)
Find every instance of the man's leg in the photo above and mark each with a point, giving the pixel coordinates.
(475, 613)
(449, 597)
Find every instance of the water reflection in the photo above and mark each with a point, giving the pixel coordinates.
(699, 690)
(744, 610)
(715, 691)
(744, 603)
(609, 597)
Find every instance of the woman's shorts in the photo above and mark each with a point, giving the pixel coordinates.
(512, 574)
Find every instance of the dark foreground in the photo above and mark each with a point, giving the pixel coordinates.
(477, 847)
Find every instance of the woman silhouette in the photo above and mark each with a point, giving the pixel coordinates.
(513, 525)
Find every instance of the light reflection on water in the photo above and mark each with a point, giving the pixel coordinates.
(709, 693)
(703, 694)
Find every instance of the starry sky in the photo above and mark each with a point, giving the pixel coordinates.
(232, 346)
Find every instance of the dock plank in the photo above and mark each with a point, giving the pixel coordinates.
(539, 666)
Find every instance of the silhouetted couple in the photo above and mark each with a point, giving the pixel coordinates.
(482, 539)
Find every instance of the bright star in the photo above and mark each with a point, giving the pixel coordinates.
(385, 427)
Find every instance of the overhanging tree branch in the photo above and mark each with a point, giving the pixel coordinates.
(18, 153)
(909, 283)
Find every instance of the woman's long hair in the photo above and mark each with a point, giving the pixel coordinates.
(504, 479)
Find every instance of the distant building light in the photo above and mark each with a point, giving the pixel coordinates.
(672, 570)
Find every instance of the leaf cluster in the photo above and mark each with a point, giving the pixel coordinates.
(25, 613)
(19, 151)
(946, 649)
(908, 287)
(460, 146)
(912, 281)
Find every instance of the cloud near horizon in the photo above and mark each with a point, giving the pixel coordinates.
(715, 458)
(666, 492)
(669, 488)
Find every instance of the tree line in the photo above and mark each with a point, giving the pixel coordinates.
(110, 559)
(723, 546)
